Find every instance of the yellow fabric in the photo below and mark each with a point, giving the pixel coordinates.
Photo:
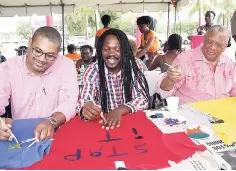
(226, 132)
(156, 44)
(225, 109)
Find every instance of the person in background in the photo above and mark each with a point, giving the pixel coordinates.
(135, 49)
(79, 75)
(2, 58)
(149, 39)
(209, 17)
(174, 48)
(133, 46)
(82, 64)
(204, 73)
(233, 26)
(106, 20)
(40, 84)
(72, 54)
(21, 51)
(86, 55)
(115, 85)
(165, 46)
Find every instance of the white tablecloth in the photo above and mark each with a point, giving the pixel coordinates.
(211, 158)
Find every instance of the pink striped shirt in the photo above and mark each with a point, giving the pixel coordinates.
(200, 82)
(38, 96)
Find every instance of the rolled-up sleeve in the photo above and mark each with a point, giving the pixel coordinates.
(5, 87)
(177, 84)
(139, 101)
(161, 92)
(68, 93)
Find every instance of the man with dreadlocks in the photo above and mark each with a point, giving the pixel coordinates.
(115, 85)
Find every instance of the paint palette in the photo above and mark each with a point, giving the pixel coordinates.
(156, 115)
(174, 121)
(199, 132)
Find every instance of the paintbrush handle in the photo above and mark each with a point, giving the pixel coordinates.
(10, 130)
(31, 144)
(174, 68)
(27, 140)
(169, 65)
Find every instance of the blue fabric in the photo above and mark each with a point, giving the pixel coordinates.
(23, 157)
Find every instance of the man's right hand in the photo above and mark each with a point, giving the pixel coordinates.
(174, 73)
(168, 82)
(91, 111)
(5, 132)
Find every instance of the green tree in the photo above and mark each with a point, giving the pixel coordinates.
(185, 27)
(24, 31)
(119, 20)
(78, 21)
(227, 8)
(114, 16)
(194, 6)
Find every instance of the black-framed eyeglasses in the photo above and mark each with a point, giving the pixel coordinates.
(211, 43)
(38, 52)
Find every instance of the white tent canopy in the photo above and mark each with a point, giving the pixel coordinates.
(47, 7)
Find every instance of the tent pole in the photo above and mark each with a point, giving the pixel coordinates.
(200, 13)
(175, 16)
(63, 27)
(168, 21)
(97, 19)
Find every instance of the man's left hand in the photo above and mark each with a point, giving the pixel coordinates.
(44, 130)
(113, 119)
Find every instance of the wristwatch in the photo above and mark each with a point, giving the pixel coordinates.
(53, 121)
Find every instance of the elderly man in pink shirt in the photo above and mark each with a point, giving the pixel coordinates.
(41, 84)
(203, 73)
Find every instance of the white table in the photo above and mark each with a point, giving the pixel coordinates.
(210, 159)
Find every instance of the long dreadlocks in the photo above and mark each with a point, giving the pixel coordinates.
(128, 67)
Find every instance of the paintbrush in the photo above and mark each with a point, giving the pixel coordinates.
(169, 66)
(174, 68)
(10, 130)
(102, 116)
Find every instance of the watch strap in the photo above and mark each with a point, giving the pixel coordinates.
(53, 121)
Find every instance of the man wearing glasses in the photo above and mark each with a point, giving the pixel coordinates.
(203, 73)
(41, 84)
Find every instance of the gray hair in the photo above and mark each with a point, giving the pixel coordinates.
(219, 28)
